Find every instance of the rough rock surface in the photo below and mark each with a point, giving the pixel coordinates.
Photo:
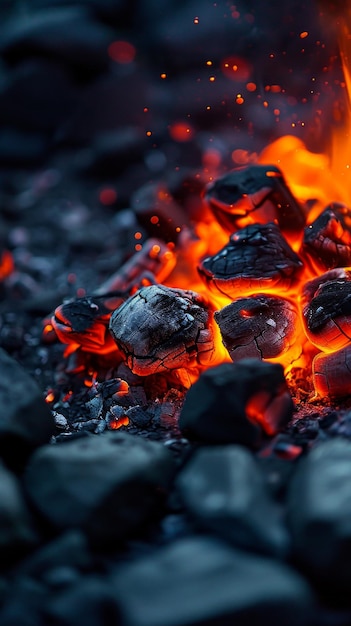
(108, 485)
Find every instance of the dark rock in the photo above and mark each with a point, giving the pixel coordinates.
(91, 601)
(237, 403)
(319, 513)
(25, 604)
(69, 550)
(26, 422)
(108, 485)
(16, 531)
(67, 34)
(201, 581)
(224, 490)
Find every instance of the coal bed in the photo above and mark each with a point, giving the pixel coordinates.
(175, 317)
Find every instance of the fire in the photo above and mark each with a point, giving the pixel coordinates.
(295, 187)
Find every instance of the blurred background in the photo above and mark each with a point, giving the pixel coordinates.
(137, 78)
(111, 110)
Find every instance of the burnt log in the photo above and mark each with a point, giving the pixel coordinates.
(327, 241)
(255, 194)
(332, 374)
(257, 258)
(84, 321)
(160, 329)
(261, 326)
(326, 310)
(237, 403)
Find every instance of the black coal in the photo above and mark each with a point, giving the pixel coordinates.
(127, 499)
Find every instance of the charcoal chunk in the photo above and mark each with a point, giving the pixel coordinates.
(16, 530)
(160, 329)
(25, 604)
(327, 241)
(198, 580)
(319, 513)
(326, 309)
(237, 403)
(90, 601)
(331, 374)
(261, 326)
(255, 194)
(69, 551)
(25, 419)
(256, 258)
(224, 490)
(109, 485)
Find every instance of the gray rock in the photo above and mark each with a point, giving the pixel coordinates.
(319, 514)
(237, 403)
(107, 485)
(16, 530)
(25, 604)
(204, 582)
(224, 490)
(69, 551)
(90, 601)
(25, 419)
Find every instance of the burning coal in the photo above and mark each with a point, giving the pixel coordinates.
(276, 291)
(261, 268)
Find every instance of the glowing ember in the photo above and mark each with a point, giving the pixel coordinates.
(288, 217)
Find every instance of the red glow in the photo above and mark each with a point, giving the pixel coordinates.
(6, 264)
(236, 68)
(251, 87)
(50, 397)
(181, 131)
(118, 423)
(108, 196)
(122, 52)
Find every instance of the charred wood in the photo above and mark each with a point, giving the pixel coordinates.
(261, 326)
(237, 403)
(256, 258)
(255, 194)
(327, 241)
(160, 329)
(332, 373)
(84, 321)
(326, 310)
